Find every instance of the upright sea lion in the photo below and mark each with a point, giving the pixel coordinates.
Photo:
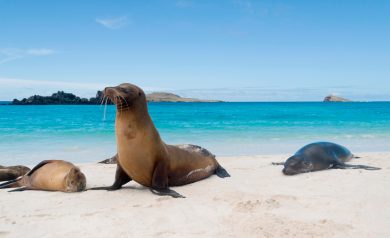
(144, 157)
(320, 156)
(50, 175)
(12, 172)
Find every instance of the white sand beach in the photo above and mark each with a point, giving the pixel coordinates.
(257, 201)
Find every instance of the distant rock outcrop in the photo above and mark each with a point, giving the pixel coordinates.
(64, 98)
(59, 97)
(333, 98)
(170, 97)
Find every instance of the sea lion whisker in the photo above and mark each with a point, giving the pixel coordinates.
(118, 104)
(105, 109)
(121, 106)
(102, 100)
(124, 100)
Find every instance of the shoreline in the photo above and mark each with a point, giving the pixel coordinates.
(257, 201)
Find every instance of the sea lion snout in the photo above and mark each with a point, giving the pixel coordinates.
(109, 92)
(124, 95)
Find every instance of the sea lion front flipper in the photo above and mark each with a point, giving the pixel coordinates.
(351, 166)
(160, 182)
(166, 192)
(121, 178)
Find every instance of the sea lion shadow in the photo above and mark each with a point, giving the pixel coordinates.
(134, 187)
(129, 187)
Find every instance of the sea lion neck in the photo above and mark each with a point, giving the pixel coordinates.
(135, 123)
(137, 117)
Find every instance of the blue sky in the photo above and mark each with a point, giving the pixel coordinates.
(238, 50)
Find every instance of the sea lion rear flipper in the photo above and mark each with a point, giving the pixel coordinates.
(166, 192)
(19, 189)
(38, 166)
(11, 183)
(160, 182)
(351, 166)
(112, 160)
(277, 163)
(121, 178)
(221, 172)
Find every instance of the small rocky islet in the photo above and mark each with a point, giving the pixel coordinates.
(334, 98)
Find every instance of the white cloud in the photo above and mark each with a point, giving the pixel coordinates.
(11, 88)
(114, 23)
(40, 52)
(10, 54)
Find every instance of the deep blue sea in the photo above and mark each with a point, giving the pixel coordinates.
(29, 134)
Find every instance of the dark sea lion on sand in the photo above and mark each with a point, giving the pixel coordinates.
(144, 157)
(50, 175)
(320, 156)
(12, 172)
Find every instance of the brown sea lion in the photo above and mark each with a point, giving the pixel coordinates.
(144, 157)
(50, 175)
(12, 172)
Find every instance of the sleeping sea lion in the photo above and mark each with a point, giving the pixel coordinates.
(320, 156)
(50, 175)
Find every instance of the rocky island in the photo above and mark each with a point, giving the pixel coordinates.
(333, 98)
(170, 97)
(64, 98)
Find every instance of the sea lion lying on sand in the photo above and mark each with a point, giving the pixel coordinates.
(50, 175)
(12, 172)
(144, 157)
(320, 156)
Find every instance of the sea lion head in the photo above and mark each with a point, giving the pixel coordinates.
(21, 169)
(125, 96)
(296, 164)
(75, 181)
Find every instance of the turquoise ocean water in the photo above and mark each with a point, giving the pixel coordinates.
(29, 134)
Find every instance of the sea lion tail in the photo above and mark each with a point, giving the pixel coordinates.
(19, 189)
(363, 167)
(353, 166)
(221, 172)
(10, 184)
